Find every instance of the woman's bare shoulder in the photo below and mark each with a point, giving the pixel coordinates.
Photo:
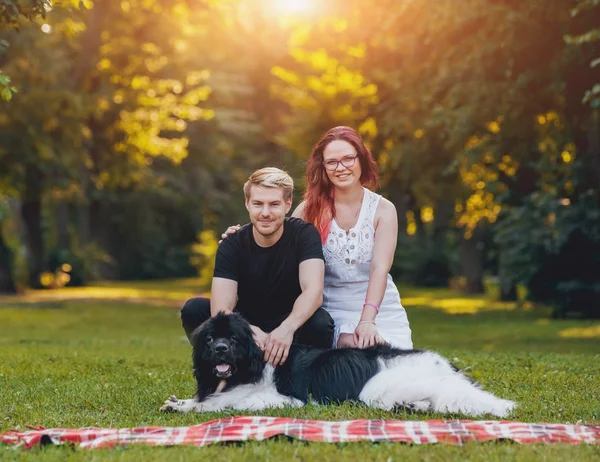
(386, 208)
(386, 213)
(299, 211)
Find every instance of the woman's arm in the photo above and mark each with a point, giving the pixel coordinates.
(386, 236)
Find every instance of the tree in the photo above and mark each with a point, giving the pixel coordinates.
(12, 15)
(7, 284)
(119, 108)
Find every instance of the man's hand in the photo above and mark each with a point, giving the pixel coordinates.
(231, 230)
(260, 337)
(278, 345)
(366, 335)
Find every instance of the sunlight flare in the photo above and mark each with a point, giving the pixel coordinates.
(292, 7)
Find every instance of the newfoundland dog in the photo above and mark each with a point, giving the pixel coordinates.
(232, 374)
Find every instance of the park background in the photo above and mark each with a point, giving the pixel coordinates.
(127, 129)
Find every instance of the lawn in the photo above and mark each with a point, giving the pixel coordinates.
(110, 355)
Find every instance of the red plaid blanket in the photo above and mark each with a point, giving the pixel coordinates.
(260, 428)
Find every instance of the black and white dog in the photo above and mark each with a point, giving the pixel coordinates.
(232, 374)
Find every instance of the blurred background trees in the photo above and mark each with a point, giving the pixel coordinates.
(135, 123)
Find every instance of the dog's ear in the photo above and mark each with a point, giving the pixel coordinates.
(198, 340)
(199, 334)
(255, 355)
(257, 362)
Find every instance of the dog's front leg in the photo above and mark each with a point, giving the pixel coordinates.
(183, 406)
(268, 400)
(248, 398)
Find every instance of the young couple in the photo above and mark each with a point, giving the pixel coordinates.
(321, 277)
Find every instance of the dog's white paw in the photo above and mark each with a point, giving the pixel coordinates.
(173, 405)
(295, 403)
(421, 406)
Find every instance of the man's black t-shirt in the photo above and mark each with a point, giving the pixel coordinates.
(267, 277)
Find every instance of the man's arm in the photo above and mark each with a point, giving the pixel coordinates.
(311, 275)
(223, 295)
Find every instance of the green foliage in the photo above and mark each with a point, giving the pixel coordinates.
(109, 132)
(463, 112)
(77, 266)
(12, 11)
(6, 90)
(12, 14)
(554, 249)
(422, 262)
(152, 233)
(589, 38)
(203, 256)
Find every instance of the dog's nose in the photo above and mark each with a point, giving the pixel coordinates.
(221, 347)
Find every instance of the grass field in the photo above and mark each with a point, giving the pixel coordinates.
(110, 355)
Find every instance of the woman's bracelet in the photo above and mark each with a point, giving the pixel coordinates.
(372, 305)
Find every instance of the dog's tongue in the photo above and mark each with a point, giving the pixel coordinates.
(223, 367)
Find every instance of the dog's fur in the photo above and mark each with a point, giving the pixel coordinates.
(232, 374)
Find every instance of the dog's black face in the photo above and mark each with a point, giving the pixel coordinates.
(223, 347)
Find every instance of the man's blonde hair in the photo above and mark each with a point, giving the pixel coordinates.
(270, 177)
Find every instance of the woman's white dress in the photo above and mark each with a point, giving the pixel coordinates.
(347, 267)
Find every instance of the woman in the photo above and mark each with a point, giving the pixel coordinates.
(359, 232)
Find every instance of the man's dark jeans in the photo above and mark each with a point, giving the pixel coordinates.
(317, 331)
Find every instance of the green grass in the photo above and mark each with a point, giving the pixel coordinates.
(71, 359)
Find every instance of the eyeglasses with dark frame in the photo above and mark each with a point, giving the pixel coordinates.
(347, 162)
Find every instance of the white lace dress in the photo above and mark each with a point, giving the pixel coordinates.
(347, 267)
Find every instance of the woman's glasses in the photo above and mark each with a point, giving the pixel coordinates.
(347, 162)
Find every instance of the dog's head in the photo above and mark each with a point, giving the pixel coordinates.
(224, 345)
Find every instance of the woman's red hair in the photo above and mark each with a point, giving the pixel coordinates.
(319, 207)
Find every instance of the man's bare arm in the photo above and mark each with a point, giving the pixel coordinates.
(311, 276)
(223, 295)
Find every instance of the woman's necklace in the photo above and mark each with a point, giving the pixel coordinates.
(352, 222)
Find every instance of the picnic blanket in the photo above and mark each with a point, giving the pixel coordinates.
(260, 428)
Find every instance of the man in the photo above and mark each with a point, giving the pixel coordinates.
(271, 272)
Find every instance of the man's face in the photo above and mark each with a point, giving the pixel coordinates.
(267, 209)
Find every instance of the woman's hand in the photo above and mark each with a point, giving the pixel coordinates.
(366, 335)
(231, 230)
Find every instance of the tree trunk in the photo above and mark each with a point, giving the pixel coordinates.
(443, 212)
(31, 213)
(101, 235)
(508, 289)
(83, 83)
(420, 233)
(7, 283)
(397, 196)
(411, 205)
(471, 261)
(594, 143)
(83, 210)
(63, 241)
